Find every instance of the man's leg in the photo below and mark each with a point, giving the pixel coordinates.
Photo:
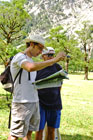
(28, 137)
(50, 133)
(39, 135)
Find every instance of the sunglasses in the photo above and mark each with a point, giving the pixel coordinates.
(50, 55)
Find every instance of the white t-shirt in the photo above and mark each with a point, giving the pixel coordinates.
(24, 92)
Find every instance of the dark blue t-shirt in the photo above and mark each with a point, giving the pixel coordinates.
(49, 98)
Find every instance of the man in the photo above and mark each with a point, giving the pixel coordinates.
(25, 106)
(49, 99)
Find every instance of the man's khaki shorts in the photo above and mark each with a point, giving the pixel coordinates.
(25, 117)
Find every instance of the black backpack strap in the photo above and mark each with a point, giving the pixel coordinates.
(20, 72)
(29, 78)
(9, 121)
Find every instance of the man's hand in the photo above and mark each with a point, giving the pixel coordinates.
(60, 56)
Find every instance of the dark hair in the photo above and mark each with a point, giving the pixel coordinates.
(28, 44)
(35, 43)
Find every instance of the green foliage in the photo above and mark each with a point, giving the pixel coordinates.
(91, 65)
(19, 3)
(85, 36)
(60, 41)
(57, 38)
(6, 51)
(85, 33)
(13, 19)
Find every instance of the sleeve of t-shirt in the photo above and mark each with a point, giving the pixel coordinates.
(58, 67)
(20, 58)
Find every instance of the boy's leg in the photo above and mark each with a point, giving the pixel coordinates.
(50, 133)
(39, 134)
(53, 121)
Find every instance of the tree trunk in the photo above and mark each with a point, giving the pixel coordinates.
(86, 60)
(66, 65)
(86, 73)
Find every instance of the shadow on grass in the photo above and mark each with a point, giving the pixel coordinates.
(69, 137)
(75, 137)
(77, 73)
(63, 137)
(90, 79)
(32, 138)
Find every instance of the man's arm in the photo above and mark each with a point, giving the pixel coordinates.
(40, 65)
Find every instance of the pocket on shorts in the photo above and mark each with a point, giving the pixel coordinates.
(17, 127)
(18, 111)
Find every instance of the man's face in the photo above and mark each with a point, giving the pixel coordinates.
(37, 49)
(47, 56)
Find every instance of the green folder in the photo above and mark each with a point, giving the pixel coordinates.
(54, 80)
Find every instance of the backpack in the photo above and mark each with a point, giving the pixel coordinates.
(7, 80)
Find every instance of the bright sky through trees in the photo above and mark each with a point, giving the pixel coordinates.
(4, 0)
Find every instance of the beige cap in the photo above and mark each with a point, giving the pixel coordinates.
(35, 38)
(48, 50)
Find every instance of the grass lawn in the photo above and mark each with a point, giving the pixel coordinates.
(77, 114)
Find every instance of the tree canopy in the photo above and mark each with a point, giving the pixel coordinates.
(13, 19)
(61, 41)
(85, 36)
